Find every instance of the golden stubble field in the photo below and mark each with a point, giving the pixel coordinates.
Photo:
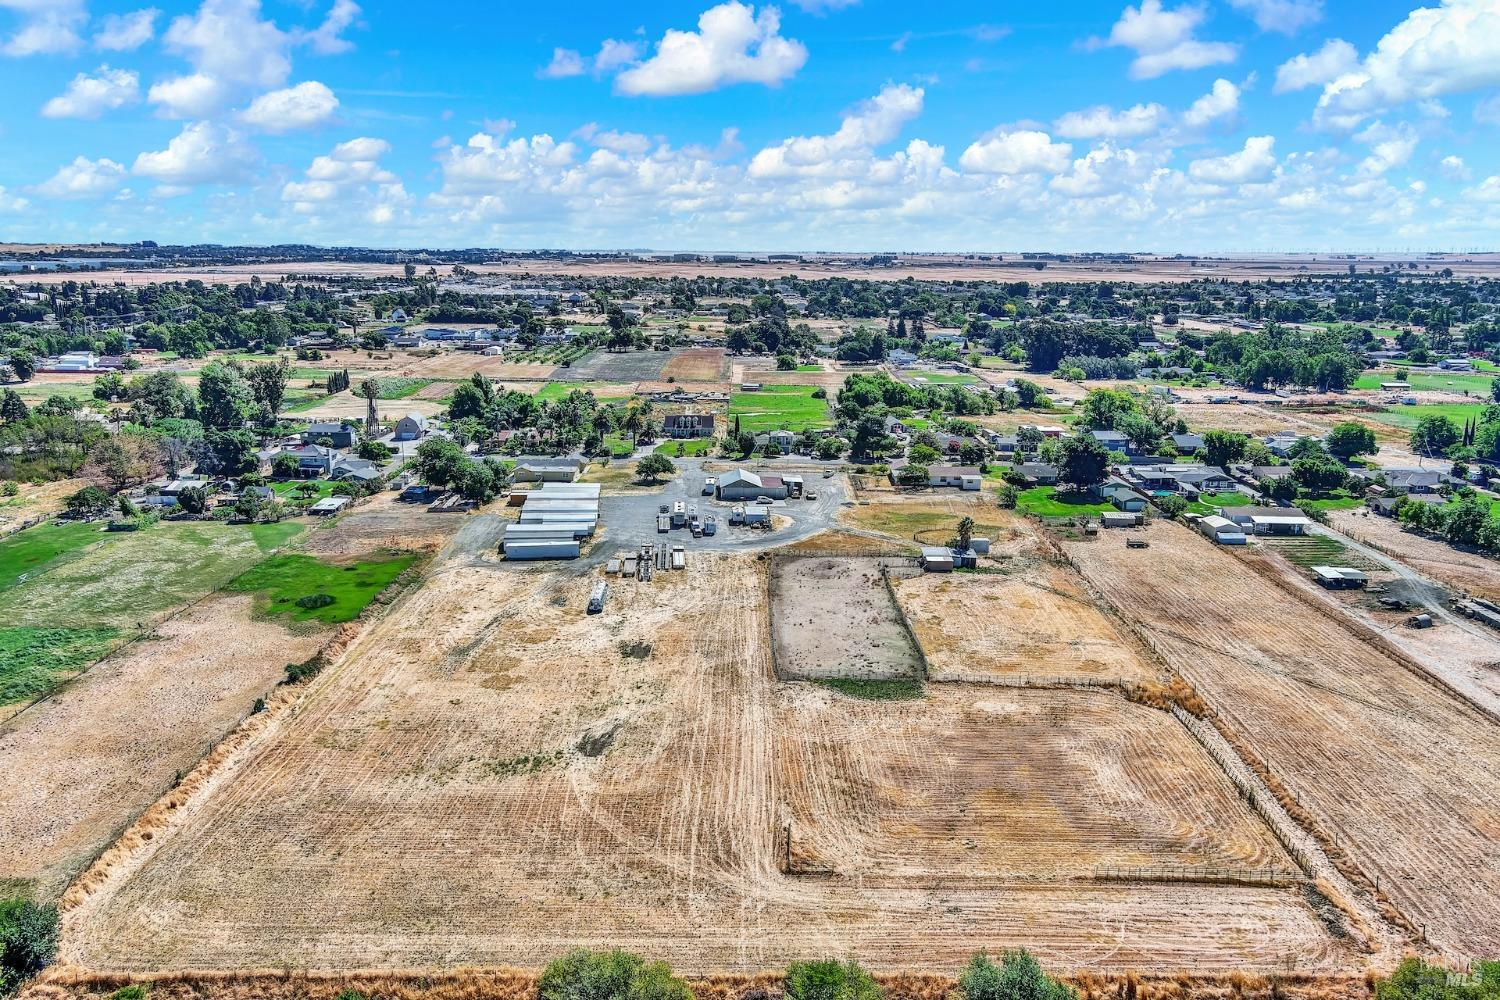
(1399, 776)
(490, 777)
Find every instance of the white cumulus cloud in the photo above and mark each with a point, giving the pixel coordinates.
(1332, 61)
(84, 178)
(1450, 49)
(91, 96)
(1254, 163)
(202, 153)
(47, 27)
(1165, 39)
(872, 123)
(733, 44)
(303, 106)
(1021, 151)
(1219, 103)
(1285, 16)
(126, 32)
(1103, 122)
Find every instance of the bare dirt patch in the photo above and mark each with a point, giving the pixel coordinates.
(835, 618)
(979, 786)
(1038, 624)
(698, 364)
(82, 763)
(347, 406)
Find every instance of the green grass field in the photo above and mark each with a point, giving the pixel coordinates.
(400, 388)
(37, 549)
(809, 368)
(282, 580)
(1332, 503)
(1474, 385)
(774, 407)
(1408, 416)
(303, 492)
(944, 378)
(70, 594)
(1046, 501)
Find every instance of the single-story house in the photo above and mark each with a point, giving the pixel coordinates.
(1038, 472)
(964, 477)
(899, 357)
(412, 427)
(328, 506)
(1222, 530)
(1415, 480)
(1122, 495)
(894, 427)
(175, 487)
(743, 485)
(1340, 577)
(1387, 506)
(1186, 444)
(1282, 443)
(358, 469)
(1270, 471)
(688, 425)
(1205, 479)
(544, 469)
(340, 434)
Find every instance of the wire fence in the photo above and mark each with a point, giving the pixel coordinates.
(1203, 875)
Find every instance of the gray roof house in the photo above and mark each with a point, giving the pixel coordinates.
(1186, 444)
(412, 427)
(341, 434)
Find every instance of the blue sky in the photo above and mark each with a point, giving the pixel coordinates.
(1222, 125)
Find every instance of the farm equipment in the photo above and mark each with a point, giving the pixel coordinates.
(1137, 543)
(1393, 604)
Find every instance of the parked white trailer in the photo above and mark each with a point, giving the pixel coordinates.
(544, 549)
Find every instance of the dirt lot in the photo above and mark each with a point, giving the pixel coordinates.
(491, 777)
(699, 364)
(347, 406)
(1400, 775)
(83, 763)
(631, 366)
(1037, 624)
(978, 787)
(1467, 572)
(835, 618)
(382, 522)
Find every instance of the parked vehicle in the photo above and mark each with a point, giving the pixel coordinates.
(765, 501)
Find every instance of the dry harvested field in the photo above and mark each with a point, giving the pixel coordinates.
(34, 500)
(82, 764)
(1467, 572)
(1403, 776)
(979, 788)
(346, 406)
(698, 364)
(490, 777)
(1035, 623)
(835, 618)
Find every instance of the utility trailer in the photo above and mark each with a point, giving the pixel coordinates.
(597, 597)
(663, 523)
(679, 557)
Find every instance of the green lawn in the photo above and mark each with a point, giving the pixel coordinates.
(1474, 385)
(1379, 331)
(1332, 503)
(809, 368)
(283, 580)
(619, 445)
(1046, 501)
(1408, 416)
(689, 446)
(774, 407)
(32, 658)
(1209, 503)
(302, 492)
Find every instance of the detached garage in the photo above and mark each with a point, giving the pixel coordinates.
(1222, 530)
